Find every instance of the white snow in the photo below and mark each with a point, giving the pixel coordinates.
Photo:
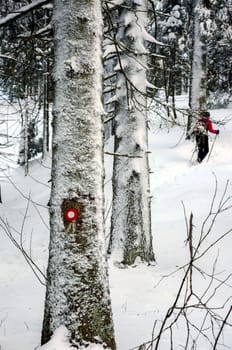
(140, 295)
(59, 341)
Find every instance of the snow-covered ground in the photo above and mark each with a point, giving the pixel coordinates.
(140, 294)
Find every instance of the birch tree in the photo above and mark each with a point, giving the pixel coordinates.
(198, 80)
(77, 289)
(199, 63)
(131, 222)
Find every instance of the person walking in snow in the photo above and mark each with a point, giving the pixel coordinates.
(200, 131)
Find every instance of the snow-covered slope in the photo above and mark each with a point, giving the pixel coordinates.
(140, 296)
(179, 188)
(24, 215)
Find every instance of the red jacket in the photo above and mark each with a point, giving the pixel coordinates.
(208, 125)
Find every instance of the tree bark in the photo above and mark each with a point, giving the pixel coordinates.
(77, 293)
(131, 222)
(198, 84)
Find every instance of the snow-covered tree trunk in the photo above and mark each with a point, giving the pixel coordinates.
(198, 83)
(46, 73)
(131, 222)
(77, 285)
(23, 158)
(26, 141)
(45, 110)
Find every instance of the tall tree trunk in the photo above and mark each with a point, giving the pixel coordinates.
(198, 87)
(173, 81)
(45, 109)
(77, 293)
(131, 222)
(23, 158)
(26, 141)
(46, 73)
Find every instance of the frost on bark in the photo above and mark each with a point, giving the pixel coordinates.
(77, 293)
(131, 222)
(198, 83)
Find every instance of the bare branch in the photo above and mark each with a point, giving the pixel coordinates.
(22, 11)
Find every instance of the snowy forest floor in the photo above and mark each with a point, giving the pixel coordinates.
(141, 295)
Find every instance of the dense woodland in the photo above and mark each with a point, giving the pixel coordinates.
(58, 61)
(27, 47)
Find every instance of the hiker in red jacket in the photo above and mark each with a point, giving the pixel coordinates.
(200, 130)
